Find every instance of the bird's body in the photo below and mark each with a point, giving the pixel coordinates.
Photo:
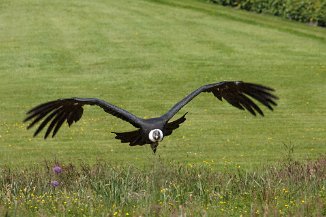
(153, 130)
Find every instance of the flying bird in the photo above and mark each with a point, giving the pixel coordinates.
(149, 131)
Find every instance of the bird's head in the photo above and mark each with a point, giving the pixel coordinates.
(155, 135)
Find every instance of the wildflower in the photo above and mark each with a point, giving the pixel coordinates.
(56, 169)
(55, 183)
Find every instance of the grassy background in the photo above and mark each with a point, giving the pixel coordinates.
(131, 52)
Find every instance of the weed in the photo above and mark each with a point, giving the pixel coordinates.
(165, 188)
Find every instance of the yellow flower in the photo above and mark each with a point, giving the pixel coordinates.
(285, 190)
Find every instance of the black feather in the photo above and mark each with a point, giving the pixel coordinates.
(132, 137)
(71, 110)
(174, 125)
(241, 95)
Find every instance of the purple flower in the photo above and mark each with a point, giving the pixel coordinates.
(57, 169)
(55, 183)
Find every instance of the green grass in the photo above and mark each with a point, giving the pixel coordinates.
(130, 52)
(166, 189)
(220, 161)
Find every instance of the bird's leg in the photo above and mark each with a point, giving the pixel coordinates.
(154, 146)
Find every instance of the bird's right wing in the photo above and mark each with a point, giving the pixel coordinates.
(71, 110)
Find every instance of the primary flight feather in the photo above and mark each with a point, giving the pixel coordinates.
(149, 131)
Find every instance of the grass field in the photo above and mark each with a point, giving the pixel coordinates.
(146, 55)
(128, 52)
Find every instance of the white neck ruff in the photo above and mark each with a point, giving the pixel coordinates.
(150, 135)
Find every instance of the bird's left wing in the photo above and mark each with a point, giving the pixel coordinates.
(71, 110)
(234, 92)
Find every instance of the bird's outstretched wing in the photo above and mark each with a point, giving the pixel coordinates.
(71, 110)
(237, 93)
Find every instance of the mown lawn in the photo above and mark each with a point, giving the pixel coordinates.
(146, 55)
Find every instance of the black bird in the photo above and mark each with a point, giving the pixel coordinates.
(153, 130)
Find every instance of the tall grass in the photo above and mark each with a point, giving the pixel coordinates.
(165, 189)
